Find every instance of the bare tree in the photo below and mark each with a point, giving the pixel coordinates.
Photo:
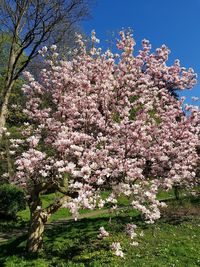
(65, 46)
(32, 23)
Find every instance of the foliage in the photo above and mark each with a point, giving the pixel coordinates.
(17, 98)
(15, 116)
(12, 200)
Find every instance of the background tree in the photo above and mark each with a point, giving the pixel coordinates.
(65, 47)
(31, 24)
(15, 116)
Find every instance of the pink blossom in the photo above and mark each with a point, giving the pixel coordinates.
(103, 233)
(117, 250)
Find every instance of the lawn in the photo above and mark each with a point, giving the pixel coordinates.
(172, 241)
(63, 212)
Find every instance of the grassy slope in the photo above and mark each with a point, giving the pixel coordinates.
(173, 241)
(46, 200)
(64, 213)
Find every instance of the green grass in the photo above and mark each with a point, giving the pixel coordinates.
(172, 241)
(64, 213)
(46, 200)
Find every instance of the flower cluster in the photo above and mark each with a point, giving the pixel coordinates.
(117, 249)
(103, 233)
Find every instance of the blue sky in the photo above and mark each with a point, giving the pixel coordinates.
(175, 23)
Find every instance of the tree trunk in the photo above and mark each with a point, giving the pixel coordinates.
(4, 108)
(8, 160)
(177, 192)
(38, 219)
(36, 230)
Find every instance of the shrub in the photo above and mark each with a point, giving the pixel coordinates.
(12, 200)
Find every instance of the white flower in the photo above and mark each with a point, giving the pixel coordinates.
(5, 175)
(85, 170)
(71, 166)
(101, 203)
(103, 233)
(119, 253)
(111, 199)
(164, 158)
(55, 55)
(100, 181)
(130, 229)
(53, 47)
(43, 173)
(142, 233)
(116, 247)
(134, 243)
(44, 49)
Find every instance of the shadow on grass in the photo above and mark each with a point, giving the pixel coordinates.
(179, 211)
(7, 225)
(69, 241)
(12, 248)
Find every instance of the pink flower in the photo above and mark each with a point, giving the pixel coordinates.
(103, 233)
(117, 250)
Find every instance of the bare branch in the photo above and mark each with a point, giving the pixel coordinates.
(33, 23)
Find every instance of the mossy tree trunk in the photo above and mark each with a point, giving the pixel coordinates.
(38, 219)
(4, 108)
(36, 230)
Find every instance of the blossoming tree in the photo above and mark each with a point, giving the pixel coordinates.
(105, 122)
